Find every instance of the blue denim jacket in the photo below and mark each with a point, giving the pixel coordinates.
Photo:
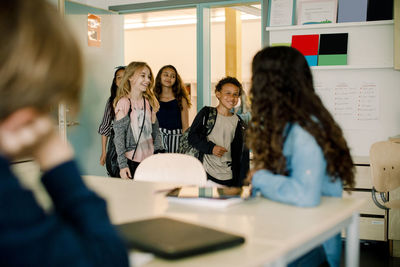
(306, 182)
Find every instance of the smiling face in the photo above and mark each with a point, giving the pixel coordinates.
(168, 77)
(140, 80)
(228, 96)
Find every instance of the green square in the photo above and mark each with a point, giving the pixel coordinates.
(281, 44)
(329, 60)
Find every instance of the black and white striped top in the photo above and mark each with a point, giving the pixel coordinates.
(107, 121)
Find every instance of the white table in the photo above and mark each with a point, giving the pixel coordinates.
(275, 233)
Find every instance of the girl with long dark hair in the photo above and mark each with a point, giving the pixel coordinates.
(174, 100)
(105, 127)
(299, 152)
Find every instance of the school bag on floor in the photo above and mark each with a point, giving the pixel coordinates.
(208, 122)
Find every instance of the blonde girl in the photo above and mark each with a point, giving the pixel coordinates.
(136, 128)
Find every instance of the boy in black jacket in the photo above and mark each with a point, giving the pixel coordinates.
(224, 156)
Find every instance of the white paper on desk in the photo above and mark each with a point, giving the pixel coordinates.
(206, 202)
(138, 258)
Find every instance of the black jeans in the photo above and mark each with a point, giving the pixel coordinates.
(222, 182)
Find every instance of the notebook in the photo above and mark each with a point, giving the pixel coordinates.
(173, 239)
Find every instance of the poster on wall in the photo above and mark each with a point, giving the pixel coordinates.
(281, 12)
(316, 11)
(94, 29)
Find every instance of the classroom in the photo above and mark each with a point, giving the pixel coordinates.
(354, 57)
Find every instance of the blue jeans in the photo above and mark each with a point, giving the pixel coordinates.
(315, 257)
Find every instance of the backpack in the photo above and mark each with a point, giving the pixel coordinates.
(208, 123)
(112, 166)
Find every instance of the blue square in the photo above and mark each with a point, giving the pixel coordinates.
(312, 60)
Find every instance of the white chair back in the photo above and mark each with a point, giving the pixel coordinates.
(171, 168)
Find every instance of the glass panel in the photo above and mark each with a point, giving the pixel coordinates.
(248, 31)
(165, 38)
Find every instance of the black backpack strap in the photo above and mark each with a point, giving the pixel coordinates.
(211, 117)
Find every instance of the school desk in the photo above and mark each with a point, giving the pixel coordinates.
(275, 233)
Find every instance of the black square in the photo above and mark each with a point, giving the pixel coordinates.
(333, 44)
(380, 10)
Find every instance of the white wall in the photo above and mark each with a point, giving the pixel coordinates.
(99, 64)
(164, 45)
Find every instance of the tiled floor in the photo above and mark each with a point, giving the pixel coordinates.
(375, 254)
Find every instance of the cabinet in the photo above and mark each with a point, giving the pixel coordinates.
(373, 220)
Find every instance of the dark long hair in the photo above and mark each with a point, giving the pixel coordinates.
(113, 90)
(282, 92)
(178, 88)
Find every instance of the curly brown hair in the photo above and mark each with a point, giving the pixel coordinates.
(178, 88)
(282, 93)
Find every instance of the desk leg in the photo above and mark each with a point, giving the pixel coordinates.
(353, 242)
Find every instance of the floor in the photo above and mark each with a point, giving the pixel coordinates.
(375, 254)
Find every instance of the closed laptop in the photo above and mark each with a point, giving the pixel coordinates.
(173, 239)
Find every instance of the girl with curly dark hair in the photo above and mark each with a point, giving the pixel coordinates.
(299, 151)
(174, 100)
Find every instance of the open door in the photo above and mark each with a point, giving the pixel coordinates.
(101, 54)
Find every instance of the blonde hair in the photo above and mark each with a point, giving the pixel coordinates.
(40, 60)
(124, 89)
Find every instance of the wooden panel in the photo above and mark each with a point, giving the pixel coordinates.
(397, 35)
(363, 177)
(233, 43)
(371, 229)
(369, 207)
(396, 248)
(394, 217)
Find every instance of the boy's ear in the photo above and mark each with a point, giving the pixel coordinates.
(218, 94)
(19, 118)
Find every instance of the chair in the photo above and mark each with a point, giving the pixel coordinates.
(385, 169)
(172, 168)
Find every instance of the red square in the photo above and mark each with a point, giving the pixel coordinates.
(306, 44)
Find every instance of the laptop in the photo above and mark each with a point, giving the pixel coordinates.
(173, 239)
